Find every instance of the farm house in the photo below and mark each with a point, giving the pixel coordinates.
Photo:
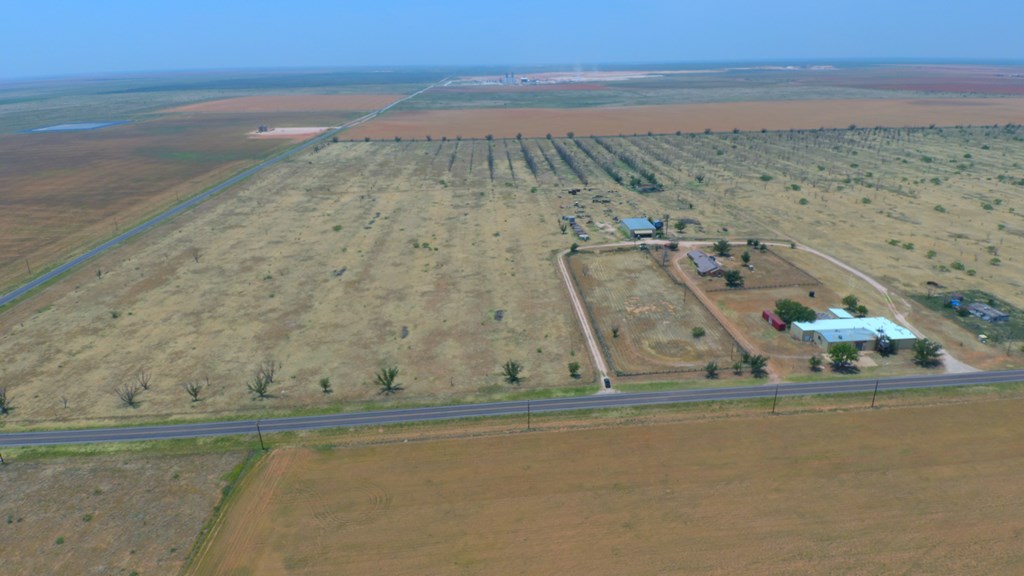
(863, 333)
(638, 227)
(706, 265)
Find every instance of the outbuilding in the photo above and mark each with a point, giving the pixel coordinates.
(638, 227)
(774, 320)
(987, 313)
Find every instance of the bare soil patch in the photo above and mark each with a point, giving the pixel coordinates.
(293, 103)
(719, 117)
(928, 490)
(296, 133)
(107, 514)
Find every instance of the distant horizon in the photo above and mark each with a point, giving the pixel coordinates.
(483, 69)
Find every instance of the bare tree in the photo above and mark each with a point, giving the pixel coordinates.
(268, 369)
(511, 370)
(195, 387)
(5, 401)
(128, 394)
(259, 385)
(196, 254)
(142, 378)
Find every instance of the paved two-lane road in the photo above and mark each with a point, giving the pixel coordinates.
(600, 401)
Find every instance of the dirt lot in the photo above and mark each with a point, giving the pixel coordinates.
(720, 117)
(297, 103)
(655, 316)
(107, 514)
(929, 490)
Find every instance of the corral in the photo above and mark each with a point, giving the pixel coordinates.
(927, 489)
(644, 320)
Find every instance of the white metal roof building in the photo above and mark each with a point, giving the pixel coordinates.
(857, 331)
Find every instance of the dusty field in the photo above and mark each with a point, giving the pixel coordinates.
(720, 117)
(654, 315)
(93, 515)
(334, 264)
(930, 490)
(296, 103)
(61, 192)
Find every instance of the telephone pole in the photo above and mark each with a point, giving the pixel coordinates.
(260, 434)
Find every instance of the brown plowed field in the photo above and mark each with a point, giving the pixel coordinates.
(929, 490)
(297, 103)
(720, 117)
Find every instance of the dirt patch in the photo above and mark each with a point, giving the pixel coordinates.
(930, 490)
(719, 117)
(296, 103)
(107, 514)
(298, 133)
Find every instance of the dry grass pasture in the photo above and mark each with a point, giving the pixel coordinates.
(401, 253)
(717, 116)
(926, 490)
(655, 316)
(295, 103)
(107, 514)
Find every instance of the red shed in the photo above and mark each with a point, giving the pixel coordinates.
(774, 320)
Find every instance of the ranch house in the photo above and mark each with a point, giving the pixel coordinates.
(706, 265)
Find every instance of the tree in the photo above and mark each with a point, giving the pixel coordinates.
(571, 135)
(721, 248)
(489, 137)
(850, 303)
(197, 254)
(843, 356)
(862, 310)
(745, 257)
(711, 370)
(815, 363)
(790, 311)
(680, 226)
(615, 331)
(698, 332)
(194, 387)
(519, 136)
(325, 385)
(733, 279)
(511, 370)
(5, 401)
(128, 393)
(758, 366)
(574, 369)
(737, 367)
(259, 385)
(386, 380)
(142, 378)
(927, 353)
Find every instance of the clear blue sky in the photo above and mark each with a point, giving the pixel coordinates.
(47, 37)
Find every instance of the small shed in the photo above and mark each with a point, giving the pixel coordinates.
(774, 320)
(638, 227)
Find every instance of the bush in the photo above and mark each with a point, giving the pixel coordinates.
(698, 332)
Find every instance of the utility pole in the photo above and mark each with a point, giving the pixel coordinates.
(527, 414)
(2, 459)
(776, 400)
(875, 394)
(260, 433)
(29, 267)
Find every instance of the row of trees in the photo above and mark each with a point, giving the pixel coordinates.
(927, 354)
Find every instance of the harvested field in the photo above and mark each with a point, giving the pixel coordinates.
(931, 490)
(294, 103)
(655, 317)
(102, 514)
(296, 133)
(719, 117)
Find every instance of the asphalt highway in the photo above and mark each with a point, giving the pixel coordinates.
(178, 209)
(599, 401)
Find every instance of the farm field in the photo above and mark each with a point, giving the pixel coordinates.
(107, 514)
(643, 319)
(302, 103)
(369, 254)
(926, 490)
(716, 116)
